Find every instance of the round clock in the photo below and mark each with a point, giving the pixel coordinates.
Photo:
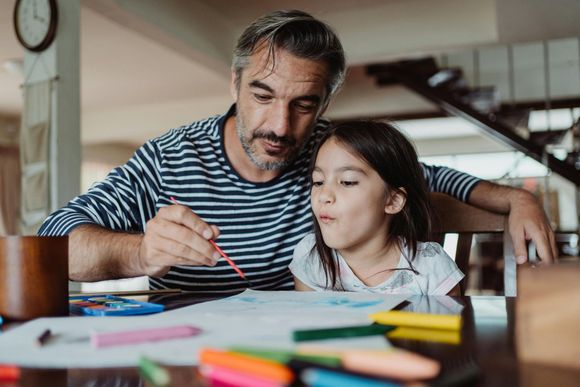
(35, 23)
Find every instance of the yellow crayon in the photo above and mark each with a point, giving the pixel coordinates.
(418, 320)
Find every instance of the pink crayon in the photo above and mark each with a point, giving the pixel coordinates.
(108, 339)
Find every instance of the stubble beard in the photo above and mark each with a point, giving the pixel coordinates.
(250, 149)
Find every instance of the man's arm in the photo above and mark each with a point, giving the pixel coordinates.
(116, 229)
(527, 220)
(96, 254)
(175, 236)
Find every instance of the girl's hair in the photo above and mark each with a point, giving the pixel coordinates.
(298, 33)
(393, 157)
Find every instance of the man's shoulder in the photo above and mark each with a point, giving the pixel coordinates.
(206, 129)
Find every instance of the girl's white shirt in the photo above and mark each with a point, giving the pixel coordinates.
(437, 272)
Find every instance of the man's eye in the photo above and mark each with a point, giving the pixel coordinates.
(304, 107)
(262, 97)
(349, 183)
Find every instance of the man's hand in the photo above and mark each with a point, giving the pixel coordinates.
(176, 236)
(527, 221)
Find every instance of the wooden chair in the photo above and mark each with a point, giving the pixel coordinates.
(456, 217)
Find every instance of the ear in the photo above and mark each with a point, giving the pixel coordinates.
(233, 87)
(396, 201)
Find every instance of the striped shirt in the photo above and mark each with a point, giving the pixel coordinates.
(260, 223)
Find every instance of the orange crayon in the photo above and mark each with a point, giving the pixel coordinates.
(263, 368)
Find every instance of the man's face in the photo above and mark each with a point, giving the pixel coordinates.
(277, 106)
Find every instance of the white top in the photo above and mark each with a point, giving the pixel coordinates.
(438, 273)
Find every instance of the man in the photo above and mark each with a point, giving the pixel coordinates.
(240, 178)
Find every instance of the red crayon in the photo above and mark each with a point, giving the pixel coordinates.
(9, 373)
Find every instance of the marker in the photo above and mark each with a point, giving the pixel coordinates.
(227, 377)
(108, 339)
(418, 320)
(223, 254)
(314, 377)
(9, 373)
(261, 368)
(153, 373)
(43, 337)
(331, 333)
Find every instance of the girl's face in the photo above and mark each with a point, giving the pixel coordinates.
(349, 200)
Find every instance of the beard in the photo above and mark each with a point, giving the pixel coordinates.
(249, 145)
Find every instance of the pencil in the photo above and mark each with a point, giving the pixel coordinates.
(43, 337)
(223, 254)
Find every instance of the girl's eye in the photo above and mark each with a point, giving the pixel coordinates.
(349, 183)
(316, 183)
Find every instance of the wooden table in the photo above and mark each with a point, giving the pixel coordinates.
(487, 346)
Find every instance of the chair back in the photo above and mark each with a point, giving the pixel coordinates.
(452, 216)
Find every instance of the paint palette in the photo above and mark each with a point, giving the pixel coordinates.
(107, 305)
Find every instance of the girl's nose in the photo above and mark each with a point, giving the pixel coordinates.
(325, 196)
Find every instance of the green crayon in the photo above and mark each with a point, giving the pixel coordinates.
(282, 356)
(153, 373)
(333, 333)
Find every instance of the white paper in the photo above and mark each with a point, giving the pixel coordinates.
(264, 319)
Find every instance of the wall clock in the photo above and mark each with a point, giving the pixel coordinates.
(35, 23)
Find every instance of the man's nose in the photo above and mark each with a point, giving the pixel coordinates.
(280, 121)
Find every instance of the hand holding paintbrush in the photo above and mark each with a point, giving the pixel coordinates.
(223, 254)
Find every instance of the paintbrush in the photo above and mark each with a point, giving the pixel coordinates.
(224, 255)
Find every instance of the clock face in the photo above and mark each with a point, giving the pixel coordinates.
(35, 23)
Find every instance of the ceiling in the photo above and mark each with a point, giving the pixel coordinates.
(148, 65)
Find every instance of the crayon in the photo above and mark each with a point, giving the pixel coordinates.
(9, 373)
(153, 373)
(43, 337)
(422, 334)
(107, 339)
(225, 376)
(394, 363)
(398, 364)
(262, 368)
(418, 320)
(282, 356)
(300, 365)
(325, 378)
(332, 333)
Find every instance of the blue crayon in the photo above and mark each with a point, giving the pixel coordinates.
(317, 377)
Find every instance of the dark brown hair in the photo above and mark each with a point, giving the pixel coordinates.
(393, 157)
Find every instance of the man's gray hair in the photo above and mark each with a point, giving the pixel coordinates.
(298, 33)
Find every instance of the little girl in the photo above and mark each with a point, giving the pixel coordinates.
(371, 208)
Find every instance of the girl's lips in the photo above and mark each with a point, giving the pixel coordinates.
(325, 218)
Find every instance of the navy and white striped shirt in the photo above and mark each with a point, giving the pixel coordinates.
(260, 223)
